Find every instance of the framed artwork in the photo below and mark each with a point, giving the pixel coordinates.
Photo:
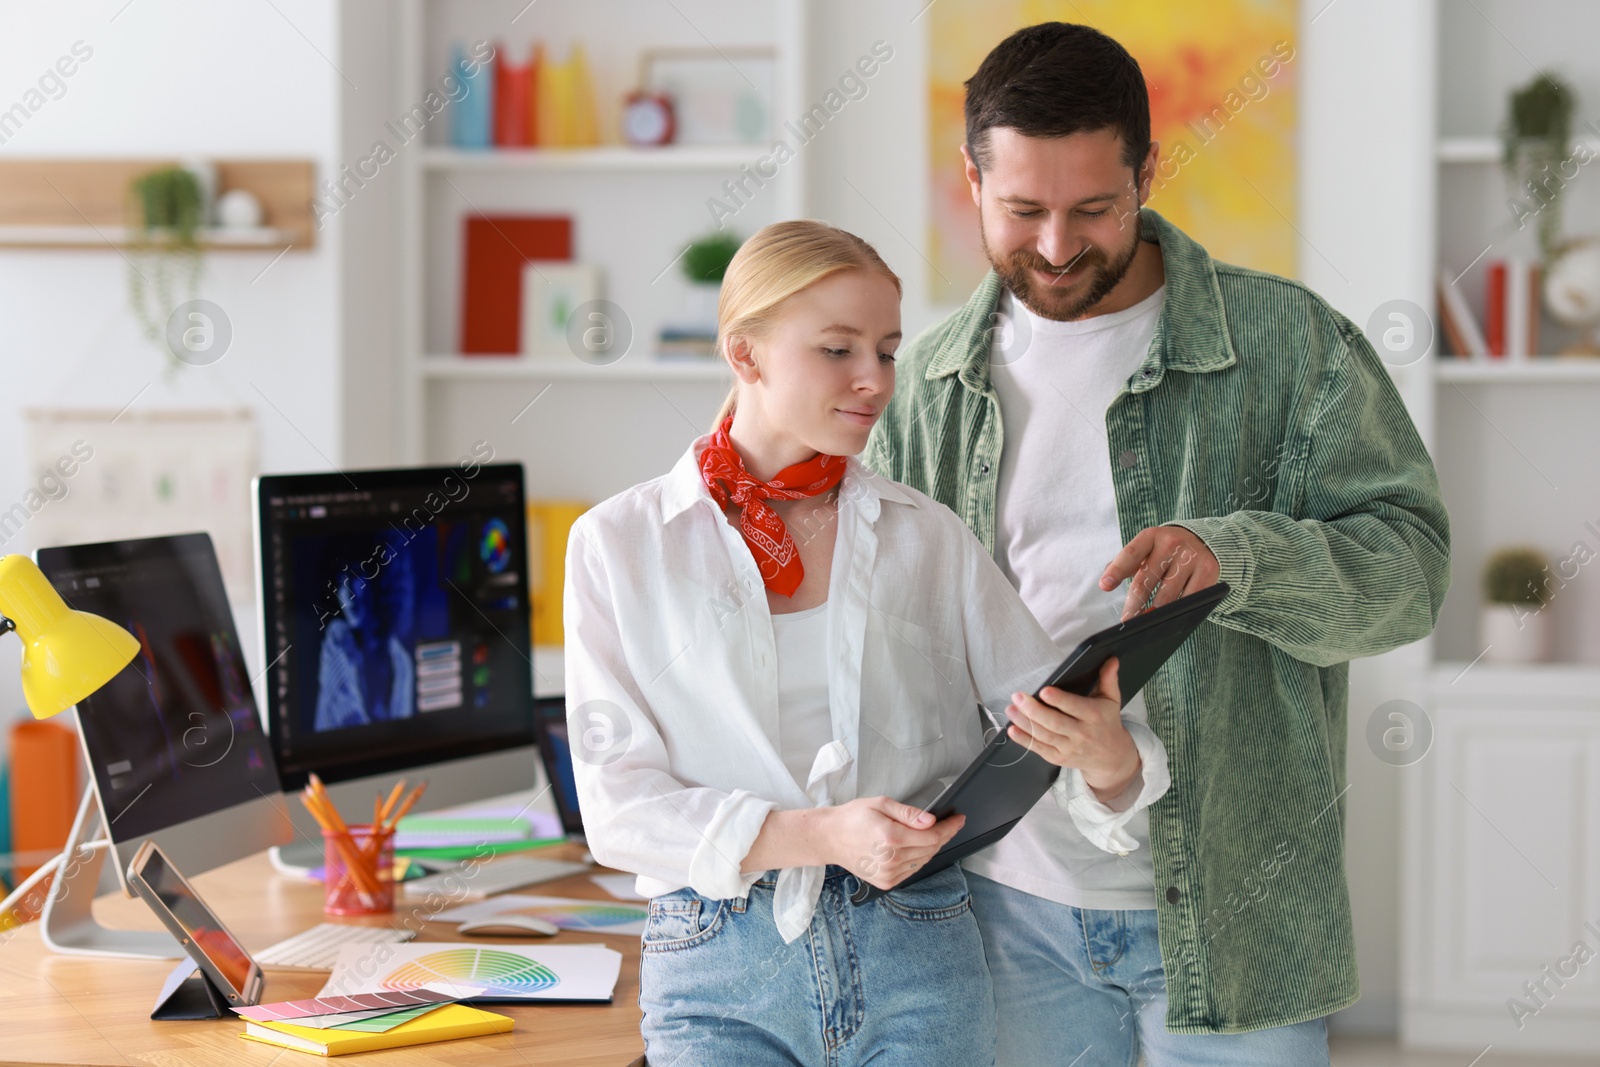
(718, 96)
(1223, 78)
(550, 292)
(103, 475)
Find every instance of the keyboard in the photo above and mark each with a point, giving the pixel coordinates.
(487, 879)
(316, 949)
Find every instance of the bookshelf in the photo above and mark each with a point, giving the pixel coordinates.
(633, 210)
(1496, 880)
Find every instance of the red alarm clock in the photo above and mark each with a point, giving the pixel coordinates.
(647, 119)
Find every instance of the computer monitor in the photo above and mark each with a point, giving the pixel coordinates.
(174, 743)
(395, 629)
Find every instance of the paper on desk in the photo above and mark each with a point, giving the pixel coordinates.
(591, 916)
(620, 886)
(478, 972)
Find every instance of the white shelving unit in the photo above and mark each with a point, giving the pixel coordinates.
(634, 210)
(1546, 371)
(607, 157)
(628, 369)
(1500, 846)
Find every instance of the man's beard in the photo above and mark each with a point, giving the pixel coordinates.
(1047, 302)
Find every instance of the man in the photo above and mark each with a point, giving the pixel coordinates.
(1186, 421)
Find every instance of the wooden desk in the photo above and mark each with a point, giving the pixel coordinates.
(74, 1009)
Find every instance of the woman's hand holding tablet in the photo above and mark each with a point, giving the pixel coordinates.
(1084, 732)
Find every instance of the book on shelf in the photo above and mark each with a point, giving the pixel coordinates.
(1512, 308)
(1494, 307)
(495, 247)
(686, 342)
(1516, 310)
(1459, 326)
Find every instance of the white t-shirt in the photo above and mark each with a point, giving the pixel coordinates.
(804, 722)
(1056, 529)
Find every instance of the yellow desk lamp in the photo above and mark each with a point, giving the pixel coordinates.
(66, 654)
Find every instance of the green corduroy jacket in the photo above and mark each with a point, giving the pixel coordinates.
(1262, 421)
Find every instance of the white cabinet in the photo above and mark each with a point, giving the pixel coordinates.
(1503, 894)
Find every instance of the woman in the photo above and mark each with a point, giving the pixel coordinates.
(768, 649)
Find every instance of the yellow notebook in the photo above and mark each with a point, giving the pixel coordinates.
(452, 1020)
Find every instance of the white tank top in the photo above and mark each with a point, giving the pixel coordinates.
(805, 723)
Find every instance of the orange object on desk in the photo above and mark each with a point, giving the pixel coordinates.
(44, 788)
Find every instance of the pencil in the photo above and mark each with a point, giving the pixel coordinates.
(355, 860)
(388, 805)
(405, 807)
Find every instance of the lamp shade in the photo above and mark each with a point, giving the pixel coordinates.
(66, 654)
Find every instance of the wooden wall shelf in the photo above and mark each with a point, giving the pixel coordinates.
(83, 203)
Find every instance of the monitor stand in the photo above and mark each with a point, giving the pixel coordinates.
(67, 924)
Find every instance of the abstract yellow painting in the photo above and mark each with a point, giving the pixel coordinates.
(1222, 76)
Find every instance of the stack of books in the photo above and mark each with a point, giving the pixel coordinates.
(1511, 304)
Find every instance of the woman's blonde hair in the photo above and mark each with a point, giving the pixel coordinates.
(777, 262)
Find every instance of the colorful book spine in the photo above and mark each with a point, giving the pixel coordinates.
(472, 117)
(1516, 309)
(1494, 308)
(510, 102)
(1460, 327)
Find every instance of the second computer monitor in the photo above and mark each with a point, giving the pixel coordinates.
(174, 743)
(395, 619)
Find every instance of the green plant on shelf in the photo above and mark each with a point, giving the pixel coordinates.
(1535, 140)
(707, 259)
(168, 205)
(1515, 576)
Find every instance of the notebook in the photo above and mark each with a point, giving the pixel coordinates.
(450, 1021)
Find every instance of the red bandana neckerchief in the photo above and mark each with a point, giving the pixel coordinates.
(764, 532)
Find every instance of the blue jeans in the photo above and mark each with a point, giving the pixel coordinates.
(899, 982)
(1085, 988)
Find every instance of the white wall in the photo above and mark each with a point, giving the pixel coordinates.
(1367, 126)
(173, 79)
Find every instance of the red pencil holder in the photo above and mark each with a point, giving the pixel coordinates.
(358, 877)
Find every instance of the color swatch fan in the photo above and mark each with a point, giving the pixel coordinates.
(492, 970)
(498, 973)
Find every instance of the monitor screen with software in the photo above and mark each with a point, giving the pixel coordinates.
(174, 743)
(395, 623)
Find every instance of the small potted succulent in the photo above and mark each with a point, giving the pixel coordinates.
(694, 333)
(704, 264)
(1514, 623)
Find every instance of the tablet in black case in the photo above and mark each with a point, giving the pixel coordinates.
(1006, 780)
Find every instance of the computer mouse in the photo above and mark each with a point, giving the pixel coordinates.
(512, 925)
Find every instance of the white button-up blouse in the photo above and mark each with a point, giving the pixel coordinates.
(672, 681)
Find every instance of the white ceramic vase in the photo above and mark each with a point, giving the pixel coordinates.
(1514, 633)
(700, 309)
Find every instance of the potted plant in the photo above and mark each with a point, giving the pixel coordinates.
(169, 208)
(704, 264)
(1535, 141)
(1513, 623)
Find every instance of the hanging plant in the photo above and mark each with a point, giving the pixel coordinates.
(167, 205)
(1535, 140)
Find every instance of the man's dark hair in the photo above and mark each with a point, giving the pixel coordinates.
(1056, 79)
